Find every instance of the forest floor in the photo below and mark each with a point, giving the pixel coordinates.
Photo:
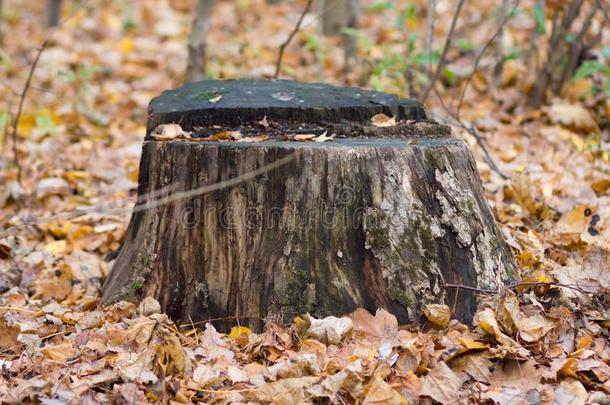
(78, 146)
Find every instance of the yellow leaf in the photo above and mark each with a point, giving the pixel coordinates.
(439, 315)
(73, 176)
(544, 278)
(171, 355)
(126, 45)
(56, 247)
(237, 331)
(584, 342)
(601, 186)
(471, 344)
(59, 229)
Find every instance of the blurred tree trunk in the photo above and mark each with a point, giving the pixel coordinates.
(566, 46)
(334, 16)
(197, 43)
(53, 13)
(351, 42)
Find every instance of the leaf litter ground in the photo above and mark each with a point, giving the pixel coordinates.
(542, 341)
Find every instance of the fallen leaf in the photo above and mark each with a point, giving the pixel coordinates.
(323, 137)
(216, 99)
(259, 138)
(438, 314)
(303, 137)
(149, 306)
(382, 120)
(60, 352)
(571, 392)
(442, 384)
(380, 392)
(168, 132)
(330, 330)
(383, 325)
(573, 116)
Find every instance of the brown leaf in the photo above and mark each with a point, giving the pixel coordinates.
(442, 384)
(382, 120)
(438, 314)
(380, 392)
(381, 326)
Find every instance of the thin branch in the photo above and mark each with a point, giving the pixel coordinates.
(472, 130)
(146, 203)
(517, 285)
(278, 64)
(441, 61)
(21, 102)
(602, 6)
(480, 55)
(430, 32)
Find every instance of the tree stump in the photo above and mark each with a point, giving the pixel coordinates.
(266, 230)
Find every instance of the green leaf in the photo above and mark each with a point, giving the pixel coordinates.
(589, 68)
(464, 44)
(425, 58)
(312, 42)
(3, 124)
(412, 42)
(45, 123)
(412, 13)
(380, 6)
(375, 83)
(450, 76)
(540, 18)
(514, 54)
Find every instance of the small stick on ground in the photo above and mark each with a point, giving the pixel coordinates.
(278, 65)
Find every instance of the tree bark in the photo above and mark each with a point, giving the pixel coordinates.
(359, 223)
(255, 231)
(53, 12)
(197, 43)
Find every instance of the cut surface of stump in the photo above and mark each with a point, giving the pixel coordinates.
(268, 230)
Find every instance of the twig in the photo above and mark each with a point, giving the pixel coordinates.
(278, 64)
(144, 203)
(17, 309)
(224, 318)
(469, 288)
(441, 61)
(430, 32)
(472, 130)
(602, 6)
(218, 391)
(517, 285)
(21, 102)
(480, 55)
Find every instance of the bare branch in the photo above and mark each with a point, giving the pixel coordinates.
(480, 55)
(21, 102)
(472, 130)
(441, 61)
(430, 32)
(278, 64)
